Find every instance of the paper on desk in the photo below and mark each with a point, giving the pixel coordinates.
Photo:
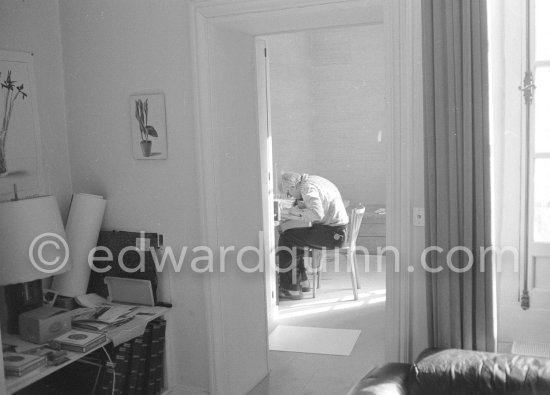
(289, 216)
(116, 313)
(135, 327)
(82, 313)
(91, 300)
(127, 331)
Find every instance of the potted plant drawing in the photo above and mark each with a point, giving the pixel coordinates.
(11, 93)
(145, 129)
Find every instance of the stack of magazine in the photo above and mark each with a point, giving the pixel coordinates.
(101, 316)
(79, 341)
(16, 364)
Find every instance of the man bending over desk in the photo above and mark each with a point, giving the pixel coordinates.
(317, 201)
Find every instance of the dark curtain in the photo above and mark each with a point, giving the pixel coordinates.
(461, 303)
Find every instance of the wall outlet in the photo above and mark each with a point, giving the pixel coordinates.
(418, 216)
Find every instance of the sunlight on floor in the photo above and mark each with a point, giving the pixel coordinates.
(300, 309)
(300, 373)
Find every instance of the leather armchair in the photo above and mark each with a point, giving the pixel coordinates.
(458, 372)
(390, 379)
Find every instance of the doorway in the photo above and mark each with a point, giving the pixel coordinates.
(325, 91)
(227, 127)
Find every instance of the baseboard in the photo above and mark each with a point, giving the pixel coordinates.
(261, 388)
(184, 390)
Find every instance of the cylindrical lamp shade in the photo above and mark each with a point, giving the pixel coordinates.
(32, 240)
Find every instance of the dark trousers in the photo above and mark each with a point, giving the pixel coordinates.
(318, 236)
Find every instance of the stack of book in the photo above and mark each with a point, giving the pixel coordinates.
(53, 357)
(16, 364)
(79, 341)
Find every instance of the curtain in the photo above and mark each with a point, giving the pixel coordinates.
(461, 298)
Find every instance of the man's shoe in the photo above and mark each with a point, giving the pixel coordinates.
(305, 286)
(286, 294)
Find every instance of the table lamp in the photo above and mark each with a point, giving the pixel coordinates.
(32, 247)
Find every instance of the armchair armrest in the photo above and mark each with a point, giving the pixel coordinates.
(390, 379)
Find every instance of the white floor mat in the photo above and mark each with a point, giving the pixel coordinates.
(532, 349)
(313, 340)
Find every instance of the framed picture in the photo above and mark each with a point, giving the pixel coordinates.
(20, 144)
(148, 125)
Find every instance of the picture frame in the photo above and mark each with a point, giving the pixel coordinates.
(20, 143)
(148, 126)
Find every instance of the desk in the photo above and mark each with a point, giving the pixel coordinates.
(14, 384)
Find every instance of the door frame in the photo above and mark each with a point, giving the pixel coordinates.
(401, 19)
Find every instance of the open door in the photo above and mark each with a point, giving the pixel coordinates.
(233, 211)
(268, 183)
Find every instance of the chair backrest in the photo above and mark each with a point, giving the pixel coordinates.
(355, 223)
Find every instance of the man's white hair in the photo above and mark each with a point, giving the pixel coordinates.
(289, 179)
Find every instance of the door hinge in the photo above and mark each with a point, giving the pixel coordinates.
(528, 88)
(525, 300)
(265, 52)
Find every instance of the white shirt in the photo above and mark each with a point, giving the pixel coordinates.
(322, 201)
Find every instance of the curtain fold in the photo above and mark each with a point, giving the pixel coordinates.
(461, 303)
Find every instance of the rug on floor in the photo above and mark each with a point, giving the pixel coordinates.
(313, 340)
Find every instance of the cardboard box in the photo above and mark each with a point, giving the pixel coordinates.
(44, 323)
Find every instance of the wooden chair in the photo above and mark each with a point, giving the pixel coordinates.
(349, 249)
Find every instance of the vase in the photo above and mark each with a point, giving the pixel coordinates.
(146, 147)
(3, 164)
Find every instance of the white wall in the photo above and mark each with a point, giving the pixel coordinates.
(291, 107)
(101, 53)
(111, 50)
(33, 26)
(328, 107)
(419, 322)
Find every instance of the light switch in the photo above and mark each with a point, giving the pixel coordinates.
(418, 216)
(143, 243)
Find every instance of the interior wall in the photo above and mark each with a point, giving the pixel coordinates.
(290, 103)
(110, 51)
(418, 314)
(328, 107)
(33, 26)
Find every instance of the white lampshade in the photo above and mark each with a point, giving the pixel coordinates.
(32, 240)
